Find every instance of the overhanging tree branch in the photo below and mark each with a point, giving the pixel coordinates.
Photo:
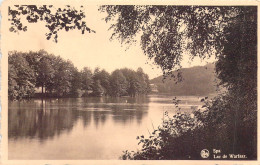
(67, 18)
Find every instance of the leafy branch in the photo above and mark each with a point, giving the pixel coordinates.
(67, 18)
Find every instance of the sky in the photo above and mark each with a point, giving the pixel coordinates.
(91, 49)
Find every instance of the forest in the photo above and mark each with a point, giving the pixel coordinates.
(57, 77)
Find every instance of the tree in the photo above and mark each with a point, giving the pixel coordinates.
(45, 72)
(12, 84)
(105, 81)
(104, 78)
(237, 70)
(137, 82)
(33, 58)
(75, 81)
(87, 79)
(97, 88)
(132, 82)
(67, 18)
(62, 77)
(144, 81)
(21, 78)
(118, 83)
(42, 64)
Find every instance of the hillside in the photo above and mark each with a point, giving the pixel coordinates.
(198, 80)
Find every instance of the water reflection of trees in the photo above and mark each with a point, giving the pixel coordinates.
(33, 120)
(48, 118)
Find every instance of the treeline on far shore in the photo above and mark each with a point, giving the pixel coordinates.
(56, 77)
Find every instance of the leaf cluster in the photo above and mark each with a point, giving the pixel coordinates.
(55, 19)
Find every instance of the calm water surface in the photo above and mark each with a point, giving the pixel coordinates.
(85, 128)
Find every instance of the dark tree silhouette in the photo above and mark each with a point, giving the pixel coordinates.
(56, 19)
(167, 32)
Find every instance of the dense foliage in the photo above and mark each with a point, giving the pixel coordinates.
(183, 136)
(229, 33)
(60, 78)
(21, 78)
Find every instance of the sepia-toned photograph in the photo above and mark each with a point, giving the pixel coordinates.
(129, 81)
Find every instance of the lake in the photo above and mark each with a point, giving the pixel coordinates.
(85, 128)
